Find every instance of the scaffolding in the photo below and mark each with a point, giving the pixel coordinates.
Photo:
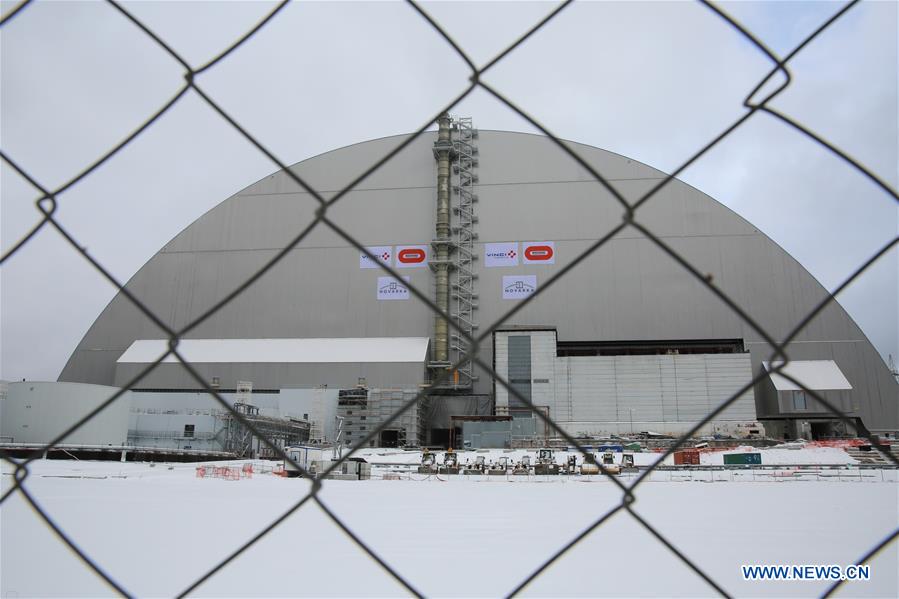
(464, 293)
(282, 432)
(363, 410)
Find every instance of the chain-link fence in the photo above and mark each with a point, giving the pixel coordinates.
(48, 202)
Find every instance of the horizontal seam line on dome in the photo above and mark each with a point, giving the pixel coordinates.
(301, 192)
(426, 242)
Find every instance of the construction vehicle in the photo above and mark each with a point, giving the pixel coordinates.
(450, 463)
(588, 466)
(627, 462)
(476, 468)
(608, 463)
(500, 467)
(428, 463)
(546, 463)
(572, 465)
(523, 467)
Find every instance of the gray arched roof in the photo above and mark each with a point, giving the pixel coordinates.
(529, 190)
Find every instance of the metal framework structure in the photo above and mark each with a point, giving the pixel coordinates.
(361, 410)
(464, 291)
(239, 439)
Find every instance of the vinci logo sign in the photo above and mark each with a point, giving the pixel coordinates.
(411, 256)
(392, 289)
(501, 254)
(383, 253)
(538, 252)
(519, 286)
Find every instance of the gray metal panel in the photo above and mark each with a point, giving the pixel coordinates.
(519, 368)
(561, 378)
(37, 412)
(593, 389)
(487, 434)
(692, 392)
(529, 191)
(677, 388)
(638, 388)
(543, 357)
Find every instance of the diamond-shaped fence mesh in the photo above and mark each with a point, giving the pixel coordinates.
(48, 200)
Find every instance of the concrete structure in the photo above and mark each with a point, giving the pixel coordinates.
(629, 306)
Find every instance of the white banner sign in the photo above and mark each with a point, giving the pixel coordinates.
(384, 253)
(519, 286)
(538, 252)
(411, 256)
(501, 254)
(392, 289)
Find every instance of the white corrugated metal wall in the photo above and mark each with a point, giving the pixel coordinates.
(619, 394)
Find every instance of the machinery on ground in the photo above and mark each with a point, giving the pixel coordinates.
(476, 468)
(546, 463)
(428, 463)
(450, 463)
(589, 465)
(500, 467)
(608, 463)
(523, 467)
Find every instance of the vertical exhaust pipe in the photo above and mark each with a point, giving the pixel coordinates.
(443, 153)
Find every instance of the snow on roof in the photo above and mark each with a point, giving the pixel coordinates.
(817, 375)
(295, 351)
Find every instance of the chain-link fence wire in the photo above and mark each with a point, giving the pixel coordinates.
(47, 204)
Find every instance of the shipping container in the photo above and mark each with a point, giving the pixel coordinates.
(686, 457)
(742, 458)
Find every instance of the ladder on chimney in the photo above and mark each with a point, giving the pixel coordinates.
(464, 289)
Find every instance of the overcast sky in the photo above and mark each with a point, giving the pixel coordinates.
(652, 81)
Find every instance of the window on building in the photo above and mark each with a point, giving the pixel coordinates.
(361, 417)
(188, 430)
(800, 401)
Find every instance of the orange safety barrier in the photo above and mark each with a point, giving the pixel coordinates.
(838, 443)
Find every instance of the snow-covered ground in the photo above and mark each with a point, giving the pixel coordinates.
(157, 529)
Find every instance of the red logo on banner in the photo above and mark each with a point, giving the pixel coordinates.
(538, 252)
(411, 256)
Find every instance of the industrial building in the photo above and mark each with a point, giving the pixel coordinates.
(627, 341)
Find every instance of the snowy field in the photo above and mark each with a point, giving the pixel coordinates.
(157, 529)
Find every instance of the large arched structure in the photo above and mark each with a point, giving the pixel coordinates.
(627, 294)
